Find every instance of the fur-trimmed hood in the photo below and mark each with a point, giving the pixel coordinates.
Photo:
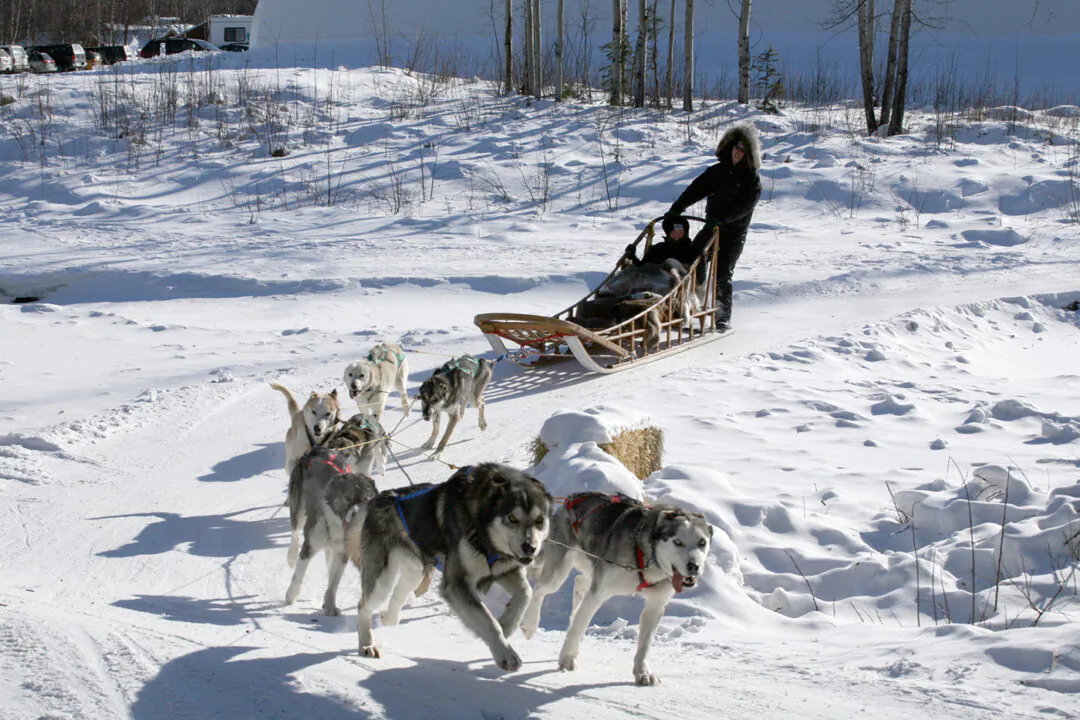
(742, 131)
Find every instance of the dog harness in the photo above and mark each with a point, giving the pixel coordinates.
(399, 505)
(569, 504)
(331, 461)
(399, 357)
(455, 364)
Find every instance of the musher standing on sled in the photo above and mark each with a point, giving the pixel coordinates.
(732, 188)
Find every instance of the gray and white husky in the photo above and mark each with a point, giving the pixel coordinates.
(324, 497)
(452, 388)
(486, 523)
(362, 437)
(621, 547)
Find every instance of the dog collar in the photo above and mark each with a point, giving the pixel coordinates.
(331, 462)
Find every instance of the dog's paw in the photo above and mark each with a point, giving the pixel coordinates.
(567, 662)
(389, 618)
(370, 651)
(428, 444)
(507, 659)
(290, 595)
(330, 610)
(527, 631)
(646, 679)
(483, 425)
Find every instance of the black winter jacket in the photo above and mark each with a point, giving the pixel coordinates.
(732, 193)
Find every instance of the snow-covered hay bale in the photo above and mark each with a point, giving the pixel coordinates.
(632, 438)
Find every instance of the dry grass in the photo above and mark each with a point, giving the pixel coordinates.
(640, 450)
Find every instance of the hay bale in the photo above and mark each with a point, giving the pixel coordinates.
(634, 439)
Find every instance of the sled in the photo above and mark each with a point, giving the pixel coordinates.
(669, 325)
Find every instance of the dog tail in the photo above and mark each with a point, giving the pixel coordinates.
(354, 524)
(294, 407)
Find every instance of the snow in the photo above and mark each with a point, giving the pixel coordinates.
(886, 446)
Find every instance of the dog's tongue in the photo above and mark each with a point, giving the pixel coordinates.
(677, 580)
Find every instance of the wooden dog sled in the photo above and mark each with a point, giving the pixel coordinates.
(668, 325)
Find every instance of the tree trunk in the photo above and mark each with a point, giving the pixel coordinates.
(890, 64)
(668, 90)
(526, 70)
(896, 122)
(866, 61)
(654, 53)
(538, 53)
(508, 48)
(616, 53)
(688, 59)
(559, 10)
(744, 53)
(639, 54)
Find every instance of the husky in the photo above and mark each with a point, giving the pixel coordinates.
(451, 389)
(311, 424)
(486, 524)
(325, 495)
(364, 438)
(370, 380)
(620, 547)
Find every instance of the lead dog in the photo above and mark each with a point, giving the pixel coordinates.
(451, 389)
(311, 424)
(324, 496)
(370, 380)
(620, 546)
(486, 523)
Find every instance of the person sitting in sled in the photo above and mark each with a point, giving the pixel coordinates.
(731, 189)
(676, 244)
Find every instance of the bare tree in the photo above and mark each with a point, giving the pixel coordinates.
(688, 59)
(668, 90)
(639, 54)
(508, 47)
(866, 61)
(890, 62)
(560, 25)
(617, 31)
(538, 56)
(530, 52)
(744, 53)
(896, 122)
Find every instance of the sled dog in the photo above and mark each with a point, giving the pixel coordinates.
(324, 497)
(486, 523)
(362, 437)
(621, 547)
(451, 389)
(370, 380)
(311, 424)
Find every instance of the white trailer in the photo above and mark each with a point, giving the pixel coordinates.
(230, 29)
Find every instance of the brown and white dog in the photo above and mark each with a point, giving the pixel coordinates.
(310, 424)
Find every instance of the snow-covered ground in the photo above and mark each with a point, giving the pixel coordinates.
(887, 446)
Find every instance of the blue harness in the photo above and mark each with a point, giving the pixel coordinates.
(399, 504)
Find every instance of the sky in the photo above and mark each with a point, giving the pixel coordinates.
(886, 446)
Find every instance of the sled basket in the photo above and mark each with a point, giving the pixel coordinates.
(682, 318)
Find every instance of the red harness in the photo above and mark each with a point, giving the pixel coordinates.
(638, 554)
(330, 461)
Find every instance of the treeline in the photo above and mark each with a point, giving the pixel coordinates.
(99, 22)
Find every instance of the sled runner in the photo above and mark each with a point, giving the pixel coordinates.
(606, 331)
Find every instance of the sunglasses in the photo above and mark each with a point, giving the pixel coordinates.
(740, 147)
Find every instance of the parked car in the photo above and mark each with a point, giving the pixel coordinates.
(111, 54)
(40, 62)
(68, 56)
(7, 65)
(235, 47)
(18, 57)
(174, 45)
